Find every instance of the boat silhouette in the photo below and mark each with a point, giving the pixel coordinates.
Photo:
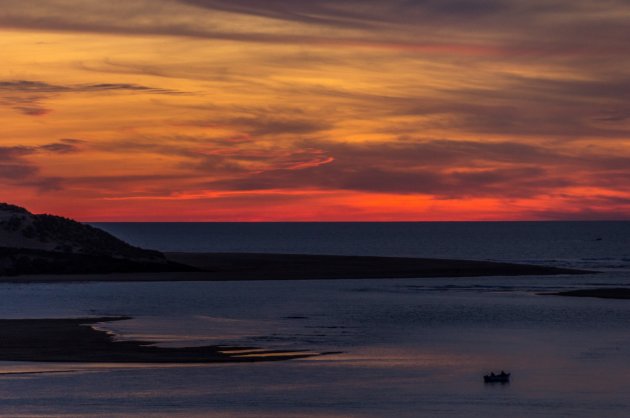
(502, 377)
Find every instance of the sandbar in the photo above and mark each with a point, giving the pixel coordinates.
(74, 340)
(249, 266)
(603, 293)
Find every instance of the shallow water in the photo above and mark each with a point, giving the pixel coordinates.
(409, 347)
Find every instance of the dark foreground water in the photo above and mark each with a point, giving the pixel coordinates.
(408, 347)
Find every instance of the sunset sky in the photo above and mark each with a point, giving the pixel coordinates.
(316, 110)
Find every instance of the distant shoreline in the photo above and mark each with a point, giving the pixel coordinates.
(256, 266)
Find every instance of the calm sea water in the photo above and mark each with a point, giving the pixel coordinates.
(580, 244)
(408, 347)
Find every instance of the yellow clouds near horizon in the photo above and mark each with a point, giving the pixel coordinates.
(320, 110)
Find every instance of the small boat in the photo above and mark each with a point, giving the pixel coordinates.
(502, 377)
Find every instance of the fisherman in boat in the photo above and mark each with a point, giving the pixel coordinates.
(503, 377)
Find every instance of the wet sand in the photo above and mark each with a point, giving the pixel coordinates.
(603, 293)
(246, 266)
(74, 340)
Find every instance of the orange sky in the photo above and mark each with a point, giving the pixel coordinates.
(320, 110)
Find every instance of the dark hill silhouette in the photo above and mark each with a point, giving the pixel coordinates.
(34, 244)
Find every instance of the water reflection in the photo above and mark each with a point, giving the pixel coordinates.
(403, 348)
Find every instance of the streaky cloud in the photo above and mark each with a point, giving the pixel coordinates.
(28, 86)
(27, 96)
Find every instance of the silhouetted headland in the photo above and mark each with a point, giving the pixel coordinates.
(47, 248)
(48, 244)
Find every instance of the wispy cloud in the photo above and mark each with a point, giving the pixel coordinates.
(17, 170)
(39, 87)
(525, 25)
(444, 169)
(27, 96)
(432, 100)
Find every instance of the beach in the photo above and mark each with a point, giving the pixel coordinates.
(75, 340)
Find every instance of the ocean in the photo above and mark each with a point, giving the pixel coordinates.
(566, 244)
(404, 347)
